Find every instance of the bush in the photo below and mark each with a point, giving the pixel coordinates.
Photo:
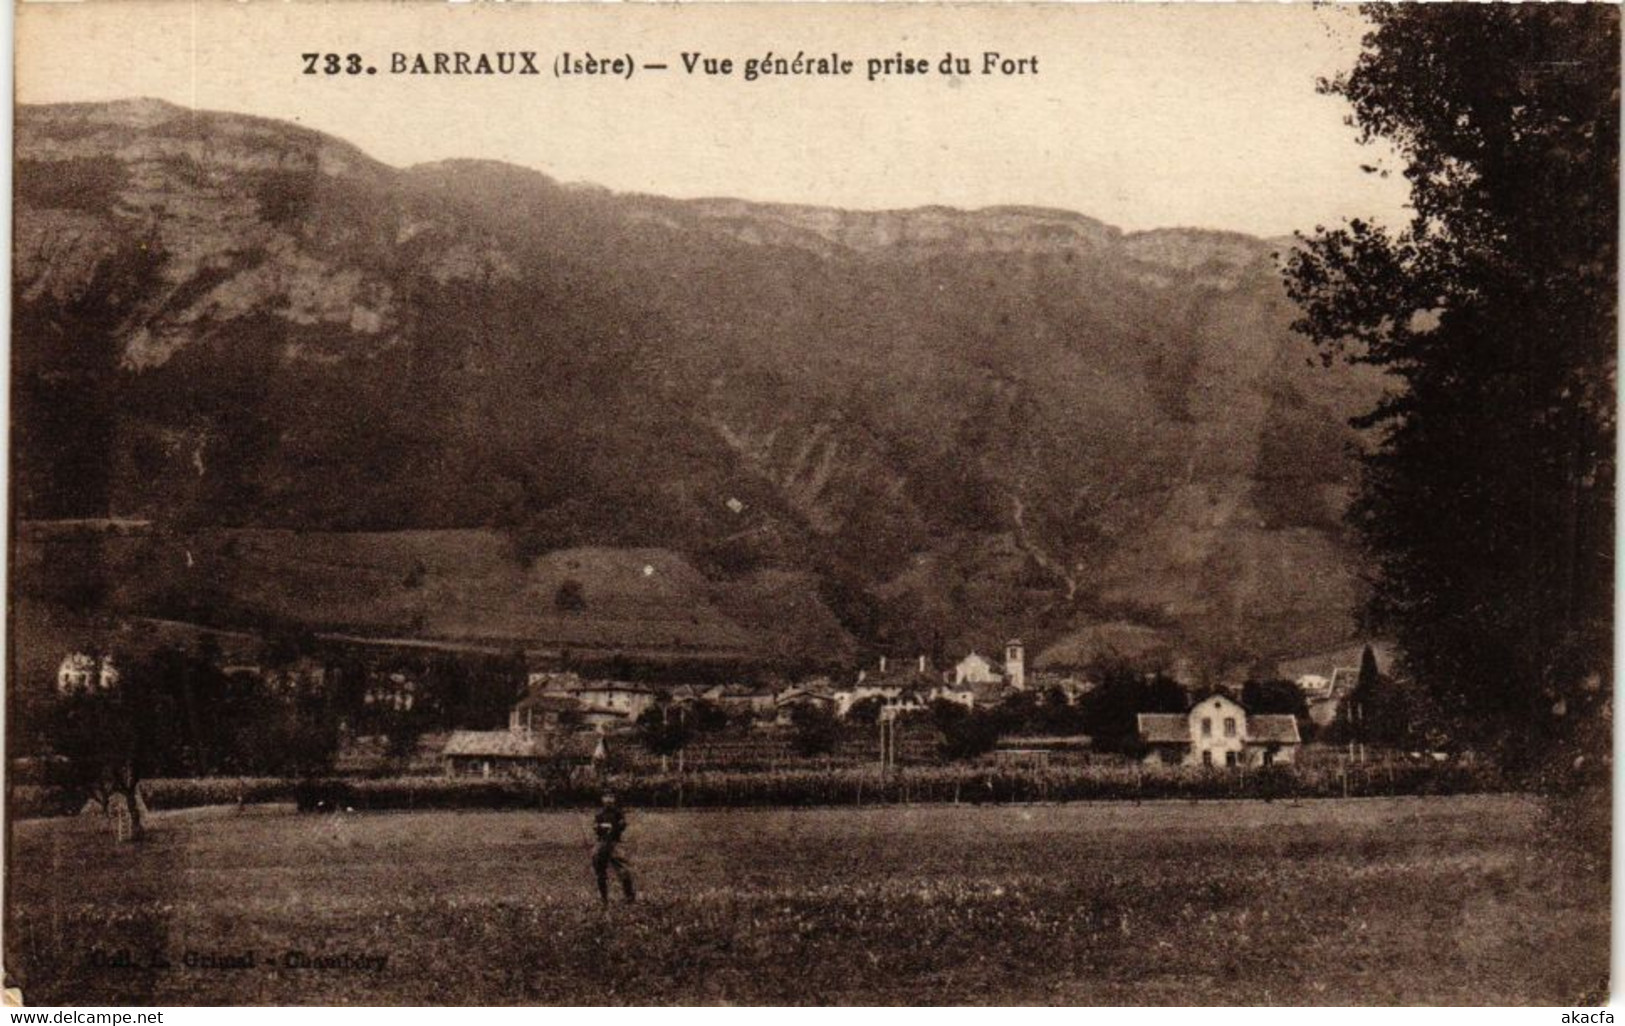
(32, 801)
(817, 731)
(967, 735)
(195, 793)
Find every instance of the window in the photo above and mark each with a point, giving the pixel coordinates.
(1269, 757)
(1229, 726)
(1207, 756)
(1207, 727)
(1229, 758)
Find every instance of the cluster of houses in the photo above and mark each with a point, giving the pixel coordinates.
(566, 717)
(560, 706)
(548, 722)
(899, 687)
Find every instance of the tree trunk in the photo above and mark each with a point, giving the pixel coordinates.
(132, 802)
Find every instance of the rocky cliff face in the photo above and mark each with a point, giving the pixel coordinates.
(943, 425)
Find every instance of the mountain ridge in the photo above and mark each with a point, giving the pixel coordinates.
(953, 424)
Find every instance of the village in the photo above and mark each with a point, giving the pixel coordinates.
(573, 717)
(401, 717)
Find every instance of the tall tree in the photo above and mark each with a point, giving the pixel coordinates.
(117, 729)
(664, 730)
(1486, 501)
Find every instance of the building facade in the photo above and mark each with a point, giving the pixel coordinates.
(1217, 731)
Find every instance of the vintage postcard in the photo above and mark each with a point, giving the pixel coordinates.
(1084, 504)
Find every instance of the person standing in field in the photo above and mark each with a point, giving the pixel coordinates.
(608, 826)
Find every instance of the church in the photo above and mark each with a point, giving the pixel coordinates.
(978, 669)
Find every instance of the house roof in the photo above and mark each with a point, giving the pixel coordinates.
(803, 695)
(614, 685)
(493, 744)
(985, 691)
(877, 687)
(1273, 728)
(1164, 728)
(547, 702)
(596, 709)
(904, 677)
(544, 681)
(503, 744)
(741, 692)
(1038, 680)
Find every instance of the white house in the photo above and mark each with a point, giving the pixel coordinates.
(82, 672)
(1314, 686)
(976, 669)
(964, 696)
(1219, 732)
(846, 698)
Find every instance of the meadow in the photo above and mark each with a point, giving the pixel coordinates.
(1454, 900)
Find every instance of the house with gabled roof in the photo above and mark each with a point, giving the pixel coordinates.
(814, 693)
(747, 699)
(510, 753)
(612, 703)
(544, 710)
(1218, 731)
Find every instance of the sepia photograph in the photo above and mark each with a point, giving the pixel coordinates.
(811, 504)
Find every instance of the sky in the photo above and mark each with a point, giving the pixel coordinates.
(1141, 115)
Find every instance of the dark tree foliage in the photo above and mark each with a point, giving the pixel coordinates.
(403, 729)
(707, 717)
(866, 710)
(65, 384)
(664, 730)
(113, 738)
(1486, 500)
(172, 712)
(1021, 711)
(1044, 712)
(571, 597)
(1369, 674)
(966, 733)
(1274, 696)
(816, 731)
(1109, 712)
(288, 731)
(1391, 712)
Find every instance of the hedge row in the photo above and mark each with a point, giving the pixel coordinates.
(975, 784)
(812, 787)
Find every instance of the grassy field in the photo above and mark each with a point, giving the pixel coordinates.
(1379, 901)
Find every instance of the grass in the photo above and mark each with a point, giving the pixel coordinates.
(1377, 901)
(458, 585)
